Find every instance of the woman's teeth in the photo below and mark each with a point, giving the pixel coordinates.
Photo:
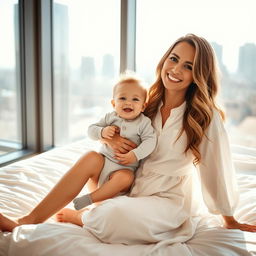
(173, 78)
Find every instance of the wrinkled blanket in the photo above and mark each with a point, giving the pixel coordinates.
(23, 184)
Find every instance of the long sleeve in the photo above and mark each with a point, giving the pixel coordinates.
(94, 130)
(148, 139)
(216, 170)
(139, 130)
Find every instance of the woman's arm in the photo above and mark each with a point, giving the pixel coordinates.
(231, 223)
(119, 144)
(217, 173)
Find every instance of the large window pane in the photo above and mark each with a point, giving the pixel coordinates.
(10, 95)
(86, 49)
(230, 27)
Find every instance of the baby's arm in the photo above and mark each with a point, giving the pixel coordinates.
(109, 131)
(146, 147)
(103, 128)
(148, 139)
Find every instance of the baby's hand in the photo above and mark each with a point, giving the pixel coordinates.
(109, 131)
(127, 158)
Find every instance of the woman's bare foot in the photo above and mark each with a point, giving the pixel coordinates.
(7, 224)
(71, 216)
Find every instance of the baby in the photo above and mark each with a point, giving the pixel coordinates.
(129, 101)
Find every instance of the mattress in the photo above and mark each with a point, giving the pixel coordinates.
(23, 184)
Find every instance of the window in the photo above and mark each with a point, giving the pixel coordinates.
(58, 63)
(229, 26)
(24, 58)
(86, 52)
(10, 86)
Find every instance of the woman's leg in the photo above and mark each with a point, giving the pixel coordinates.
(88, 166)
(71, 216)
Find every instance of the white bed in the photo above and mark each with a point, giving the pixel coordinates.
(25, 183)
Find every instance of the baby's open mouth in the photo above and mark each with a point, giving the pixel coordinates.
(127, 110)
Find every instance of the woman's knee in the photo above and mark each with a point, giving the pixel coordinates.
(110, 220)
(91, 162)
(105, 213)
(92, 157)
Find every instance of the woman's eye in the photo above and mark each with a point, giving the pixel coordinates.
(189, 67)
(174, 59)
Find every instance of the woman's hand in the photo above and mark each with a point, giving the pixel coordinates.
(119, 144)
(231, 223)
(125, 159)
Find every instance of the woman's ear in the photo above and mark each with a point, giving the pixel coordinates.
(113, 103)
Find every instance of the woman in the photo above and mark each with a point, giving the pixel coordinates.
(190, 131)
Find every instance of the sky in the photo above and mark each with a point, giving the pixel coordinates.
(7, 50)
(230, 23)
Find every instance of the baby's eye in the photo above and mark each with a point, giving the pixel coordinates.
(174, 59)
(136, 99)
(122, 98)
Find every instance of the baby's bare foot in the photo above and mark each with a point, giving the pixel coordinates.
(71, 216)
(7, 224)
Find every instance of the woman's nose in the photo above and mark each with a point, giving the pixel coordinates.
(176, 69)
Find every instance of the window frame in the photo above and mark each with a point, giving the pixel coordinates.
(36, 71)
(35, 32)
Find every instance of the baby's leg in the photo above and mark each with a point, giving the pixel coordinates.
(74, 216)
(119, 181)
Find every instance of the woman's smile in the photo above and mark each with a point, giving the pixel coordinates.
(173, 79)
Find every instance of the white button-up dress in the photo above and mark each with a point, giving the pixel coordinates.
(163, 206)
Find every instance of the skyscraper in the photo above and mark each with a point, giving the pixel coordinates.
(87, 67)
(218, 51)
(108, 69)
(219, 54)
(247, 61)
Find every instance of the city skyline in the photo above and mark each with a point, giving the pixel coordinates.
(79, 14)
(85, 67)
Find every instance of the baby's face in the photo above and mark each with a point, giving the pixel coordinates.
(129, 100)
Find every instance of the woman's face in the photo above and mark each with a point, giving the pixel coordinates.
(176, 73)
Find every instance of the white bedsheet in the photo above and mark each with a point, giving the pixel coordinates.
(25, 183)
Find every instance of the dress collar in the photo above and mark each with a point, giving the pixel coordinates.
(177, 110)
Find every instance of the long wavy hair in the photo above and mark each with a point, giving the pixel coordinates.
(200, 96)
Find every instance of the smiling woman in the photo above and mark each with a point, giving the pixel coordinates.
(235, 49)
(177, 69)
(163, 206)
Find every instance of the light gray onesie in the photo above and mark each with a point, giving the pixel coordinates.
(138, 130)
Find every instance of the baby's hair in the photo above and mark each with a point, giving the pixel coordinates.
(131, 78)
